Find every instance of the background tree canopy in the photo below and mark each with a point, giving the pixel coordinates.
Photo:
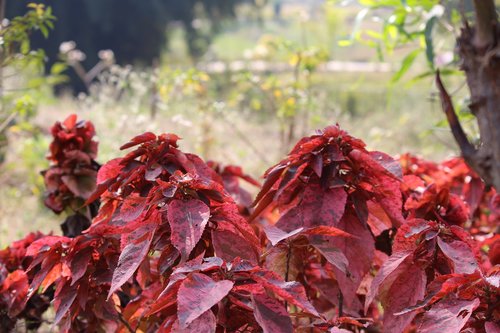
(136, 31)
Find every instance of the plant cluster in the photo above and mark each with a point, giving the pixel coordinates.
(71, 177)
(339, 239)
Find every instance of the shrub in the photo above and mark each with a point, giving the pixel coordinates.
(339, 239)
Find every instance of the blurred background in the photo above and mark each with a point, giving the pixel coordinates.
(239, 80)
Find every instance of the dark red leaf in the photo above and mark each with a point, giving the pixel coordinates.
(359, 252)
(292, 292)
(145, 137)
(197, 294)
(65, 296)
(387, 269)
(81, 186)
(272, 176)
(450, 315)
(332, 254)
(206, 323)
(408, 288)
(228, 245)
(271, 314)
(130, 259)
(78, 265)
(318, 207)
(460, 254)
(187, 221)
(276, 235)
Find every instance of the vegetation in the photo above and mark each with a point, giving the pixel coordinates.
(177, 245)
(338, 237)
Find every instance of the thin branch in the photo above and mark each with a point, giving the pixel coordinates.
(467, 149)
(7, 121)
(287, 268)
(124, 322)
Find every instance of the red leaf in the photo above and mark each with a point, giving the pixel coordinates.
(197, 294)
(14, 289)
(228, 245)
(276, 235)
(387, 269)
(132, 207)
(389, 163)
(327, 231)
(70, 122)
(407, 289)
(187, 221)
(78, 265)
(332, 254)
(64, 298)
(206, 323)
(82, 186)
(130, 259)
(44, 244)
(292, 292)
(109, 170)
(318, 207)
(491, 327)
(271, 177)
(271, 314)
(449, 315)
(358, 250)
(460, 254)
(145, 137)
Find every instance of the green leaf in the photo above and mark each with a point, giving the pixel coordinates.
(345, 42)
(429, 47)
(58, 68)
(44, 30)
(405, 65)
(357, 22)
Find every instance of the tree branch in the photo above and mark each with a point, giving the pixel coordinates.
(467, 149)
(486, 19)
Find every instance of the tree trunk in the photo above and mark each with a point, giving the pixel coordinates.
(479, 50)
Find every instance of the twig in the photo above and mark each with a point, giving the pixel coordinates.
(467, 149)
(7, 121)
(287, 268)
(124, 322)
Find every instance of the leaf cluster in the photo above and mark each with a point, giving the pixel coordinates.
(339, 239)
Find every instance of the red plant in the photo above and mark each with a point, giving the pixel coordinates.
(71, 178)
(14, 286)
(339, 239)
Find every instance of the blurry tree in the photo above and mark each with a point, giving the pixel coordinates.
(17, 55)
(136, 31)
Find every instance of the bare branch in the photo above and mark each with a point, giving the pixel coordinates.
(467, 149)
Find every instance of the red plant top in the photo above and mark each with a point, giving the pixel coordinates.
(71, 178)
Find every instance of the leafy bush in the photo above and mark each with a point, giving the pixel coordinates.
(339, 239)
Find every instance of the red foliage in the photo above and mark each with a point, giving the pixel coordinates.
(339, 239)
(71, 177)
(14, 284)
